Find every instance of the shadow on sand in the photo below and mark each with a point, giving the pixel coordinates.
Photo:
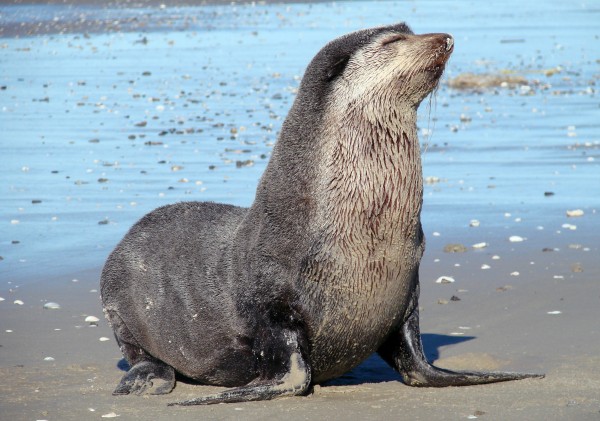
(373, 369)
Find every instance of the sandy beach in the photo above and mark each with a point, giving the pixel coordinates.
(108, 112)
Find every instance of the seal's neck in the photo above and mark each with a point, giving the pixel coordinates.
(373, 186)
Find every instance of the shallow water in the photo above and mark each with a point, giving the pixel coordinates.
(107, 113)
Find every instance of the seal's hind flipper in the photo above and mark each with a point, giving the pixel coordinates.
(147, 376)
(294, 382)
(404, 352)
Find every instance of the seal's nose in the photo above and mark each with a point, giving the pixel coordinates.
(449, 43)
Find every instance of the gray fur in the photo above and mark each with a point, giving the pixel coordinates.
(321, 271)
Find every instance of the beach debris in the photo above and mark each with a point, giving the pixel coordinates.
(92, 320)
(484, 266)
(576, 268)
(474, 223)
(18, 302)
(454, 248)
(480, 245)
(176, 168)
(48, 359)
(515, 273)
(482, 81)
(574, 213)
(555, 312)
(569, 227)
(104, 339)
(516, 239)
(432, 180)
(52, 306)
(445, 280)
(495, 257)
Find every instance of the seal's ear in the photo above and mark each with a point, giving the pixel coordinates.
(337, 68)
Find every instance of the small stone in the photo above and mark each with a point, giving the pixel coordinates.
(104, 339)
(18, 302)
(474, 223)
(555, 312)
(576, 268)
(52, 306)
(484, 267)
(110, 415)
(454, 298)
(455, 248)
(93, 320)
(479, 245)
(48, 359)
(514, 273)
(441, 301)
(574, 213)
(515, 239)
(445, 280)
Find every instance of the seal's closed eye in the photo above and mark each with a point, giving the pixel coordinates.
(337, 68)
(393, 38)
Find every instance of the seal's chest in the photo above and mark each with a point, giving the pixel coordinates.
(356, 314)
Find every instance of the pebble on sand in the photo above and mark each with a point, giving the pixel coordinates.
(515, 239)
(92, 320)
(104, 339)
(52, 306)
(454, 248)
(18, 302)
(479, 245)
(574, 213)
(445, 280)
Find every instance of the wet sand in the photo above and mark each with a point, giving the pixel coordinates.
(102, 126)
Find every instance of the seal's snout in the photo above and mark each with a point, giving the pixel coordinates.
(449, 43)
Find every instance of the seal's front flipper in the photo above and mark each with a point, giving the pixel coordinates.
(295, 381)
(404, 352)
(147, 376)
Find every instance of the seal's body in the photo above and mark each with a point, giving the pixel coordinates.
(322, 270)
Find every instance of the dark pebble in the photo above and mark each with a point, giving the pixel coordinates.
(454, 298)
(35, 201)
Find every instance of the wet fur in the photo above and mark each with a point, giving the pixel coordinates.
(322, 270)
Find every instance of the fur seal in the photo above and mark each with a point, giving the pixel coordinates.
(322, 269)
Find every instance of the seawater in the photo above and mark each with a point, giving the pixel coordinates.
(109, 112)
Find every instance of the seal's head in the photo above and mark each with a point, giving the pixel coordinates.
(385, 68)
